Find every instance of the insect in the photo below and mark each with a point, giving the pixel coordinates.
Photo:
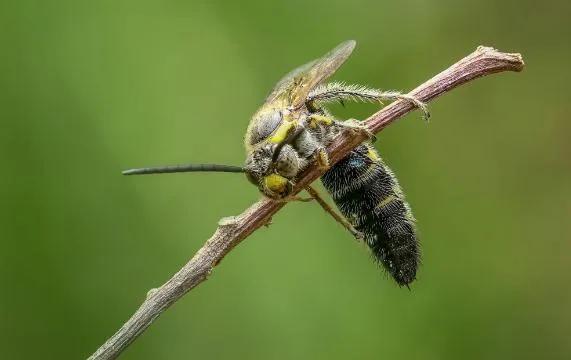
(293, 128)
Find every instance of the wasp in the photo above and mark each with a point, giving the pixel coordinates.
(293, 128)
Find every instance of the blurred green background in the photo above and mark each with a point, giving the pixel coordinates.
(93, 87)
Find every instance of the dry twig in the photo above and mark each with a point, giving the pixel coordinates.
(231, 231)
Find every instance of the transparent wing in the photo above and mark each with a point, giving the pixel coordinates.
(296, 85)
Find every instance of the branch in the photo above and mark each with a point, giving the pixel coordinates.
(231, 231)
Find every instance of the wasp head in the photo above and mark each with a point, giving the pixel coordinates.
(273, 177)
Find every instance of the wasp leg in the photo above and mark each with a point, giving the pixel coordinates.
(328, 209)
(416, 102)
(357, 126)
(314, 120)
(339, 92)
(322, 159)
(295, 198)
(301, 199)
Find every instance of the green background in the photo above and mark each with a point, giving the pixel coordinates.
(89, 88)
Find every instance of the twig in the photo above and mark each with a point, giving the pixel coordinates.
(231, 231)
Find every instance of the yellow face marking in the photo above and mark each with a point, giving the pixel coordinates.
(275, 183)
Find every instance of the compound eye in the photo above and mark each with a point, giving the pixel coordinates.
(266, 125)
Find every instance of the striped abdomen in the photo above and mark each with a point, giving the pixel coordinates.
(369, 196)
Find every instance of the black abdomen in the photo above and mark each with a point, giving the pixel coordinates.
(369, 196)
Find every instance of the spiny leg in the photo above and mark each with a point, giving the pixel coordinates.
(395, 95)
(340, 92)
(322, 159)
(340, 219)
(357, 126)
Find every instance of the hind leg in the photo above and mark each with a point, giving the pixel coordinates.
(328, 209)
(340, 92)
(357, 126)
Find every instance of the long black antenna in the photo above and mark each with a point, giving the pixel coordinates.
(185, 168)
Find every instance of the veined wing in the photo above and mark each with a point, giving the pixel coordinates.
(296, 85)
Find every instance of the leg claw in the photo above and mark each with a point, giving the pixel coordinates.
(357, 126)
(419, 104)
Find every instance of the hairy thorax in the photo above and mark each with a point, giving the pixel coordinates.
(274, 174)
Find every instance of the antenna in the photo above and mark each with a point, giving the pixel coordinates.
(185, 168)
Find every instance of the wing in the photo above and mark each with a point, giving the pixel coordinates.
(296, 85)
